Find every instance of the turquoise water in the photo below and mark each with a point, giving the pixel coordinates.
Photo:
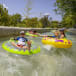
(49, 62)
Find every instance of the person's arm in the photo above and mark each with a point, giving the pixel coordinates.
(62, 36)
(42, 35)
(28, 43)
(52, 36)
(47, 36)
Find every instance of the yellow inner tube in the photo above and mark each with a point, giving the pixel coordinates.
(58, 43)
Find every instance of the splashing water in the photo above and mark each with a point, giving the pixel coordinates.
(59, 62)
(48, 47)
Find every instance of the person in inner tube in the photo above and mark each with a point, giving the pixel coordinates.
(59, 34)
(36, 33)
(56, 35)
(62, 33)
(21, 41)
(30, 31)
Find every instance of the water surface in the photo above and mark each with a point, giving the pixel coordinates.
(49, 62)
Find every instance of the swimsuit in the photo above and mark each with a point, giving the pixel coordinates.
(21, 41)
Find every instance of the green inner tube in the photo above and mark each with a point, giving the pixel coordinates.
(10, 48)
(27, 33)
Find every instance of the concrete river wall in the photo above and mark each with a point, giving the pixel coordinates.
(9, 31)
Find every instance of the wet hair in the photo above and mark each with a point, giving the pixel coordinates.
(61, 30)
(63, 33)
(34, 31)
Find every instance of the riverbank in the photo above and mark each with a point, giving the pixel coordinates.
(9, 31)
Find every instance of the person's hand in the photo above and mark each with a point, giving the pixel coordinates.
(29, 43)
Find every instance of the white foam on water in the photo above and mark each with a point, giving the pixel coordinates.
(35, 73)
(48, 47)
(55, 65)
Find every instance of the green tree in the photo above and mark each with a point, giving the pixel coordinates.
(54, 24)
(15, 19)
(67, 8)
(45, 22)
(4, 17)
(31, 22)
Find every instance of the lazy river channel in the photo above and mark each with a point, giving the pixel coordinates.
(49, 62)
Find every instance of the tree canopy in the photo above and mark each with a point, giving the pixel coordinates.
(67, 8)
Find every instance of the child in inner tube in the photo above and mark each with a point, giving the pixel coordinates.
(59, 34)
(56, 35)
(31, 32)
(62, 33)
(21, 41)
(36, 33)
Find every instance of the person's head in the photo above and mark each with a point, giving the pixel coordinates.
(22, 33)
(30, 30)
(34, 31)
(56, 33)
(61, 31)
